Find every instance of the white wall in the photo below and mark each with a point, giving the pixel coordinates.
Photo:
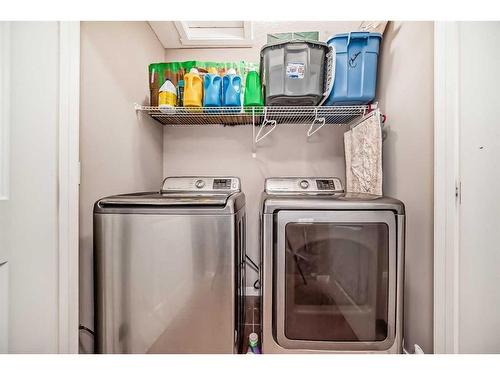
(406, 95)
(28, 220)
(120, 152)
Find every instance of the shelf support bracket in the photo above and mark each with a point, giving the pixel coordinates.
(380, 117)
(254, 146)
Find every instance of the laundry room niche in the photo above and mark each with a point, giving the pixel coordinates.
(287, 151)
(124, 150)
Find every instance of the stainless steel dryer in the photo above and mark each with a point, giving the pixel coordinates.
(332, 269)
(169, 268)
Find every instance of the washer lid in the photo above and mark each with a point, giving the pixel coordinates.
(303, 185)
(166, 199)
(186, 194)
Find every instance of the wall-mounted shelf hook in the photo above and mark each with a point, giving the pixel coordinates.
(259, 137)
(317, 120)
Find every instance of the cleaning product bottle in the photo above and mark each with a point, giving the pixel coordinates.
(180, 93)
(167, 97)
(231, 87)
(253, 343)
(253, 90)
(193, 89)
(212, 89)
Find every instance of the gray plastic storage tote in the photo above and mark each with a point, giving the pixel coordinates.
(296, 73)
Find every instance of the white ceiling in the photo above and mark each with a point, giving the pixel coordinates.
(206, 34)
(167, 33)
(169, 36)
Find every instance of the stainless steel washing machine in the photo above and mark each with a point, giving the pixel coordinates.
(332, 269)
(169, 268)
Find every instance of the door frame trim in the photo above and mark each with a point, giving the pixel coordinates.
(69, 180)
(4, 110)
(446, 186)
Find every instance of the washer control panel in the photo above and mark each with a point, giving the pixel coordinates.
(297, 185)
(202, 184)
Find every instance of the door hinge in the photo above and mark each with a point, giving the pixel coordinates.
(79, 172)
(458, 192)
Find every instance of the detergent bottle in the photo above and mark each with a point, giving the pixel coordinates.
(212, 89)
(253, 90)
(167, 97)
(253, 343)
(231, 87)
(193, 89)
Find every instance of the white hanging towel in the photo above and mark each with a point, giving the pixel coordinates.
(363, 156)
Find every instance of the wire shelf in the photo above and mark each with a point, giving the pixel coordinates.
(231, 116)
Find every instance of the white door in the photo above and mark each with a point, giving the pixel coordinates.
(479, 233)
(36, 191)
(467, 179)
(29, 213)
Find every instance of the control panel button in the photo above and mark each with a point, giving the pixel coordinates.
(304, 184)
(199, 184)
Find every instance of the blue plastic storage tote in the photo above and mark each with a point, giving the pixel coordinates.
(355, 68)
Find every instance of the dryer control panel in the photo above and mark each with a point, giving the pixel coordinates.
(299, 185)
(201, 184)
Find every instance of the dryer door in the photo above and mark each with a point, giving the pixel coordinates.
(335, 284)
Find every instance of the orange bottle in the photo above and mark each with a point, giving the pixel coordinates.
(193, 89)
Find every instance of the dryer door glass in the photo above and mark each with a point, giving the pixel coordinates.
(336, 281)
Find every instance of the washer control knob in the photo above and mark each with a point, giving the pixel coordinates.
(199, 184)
(304, 184)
